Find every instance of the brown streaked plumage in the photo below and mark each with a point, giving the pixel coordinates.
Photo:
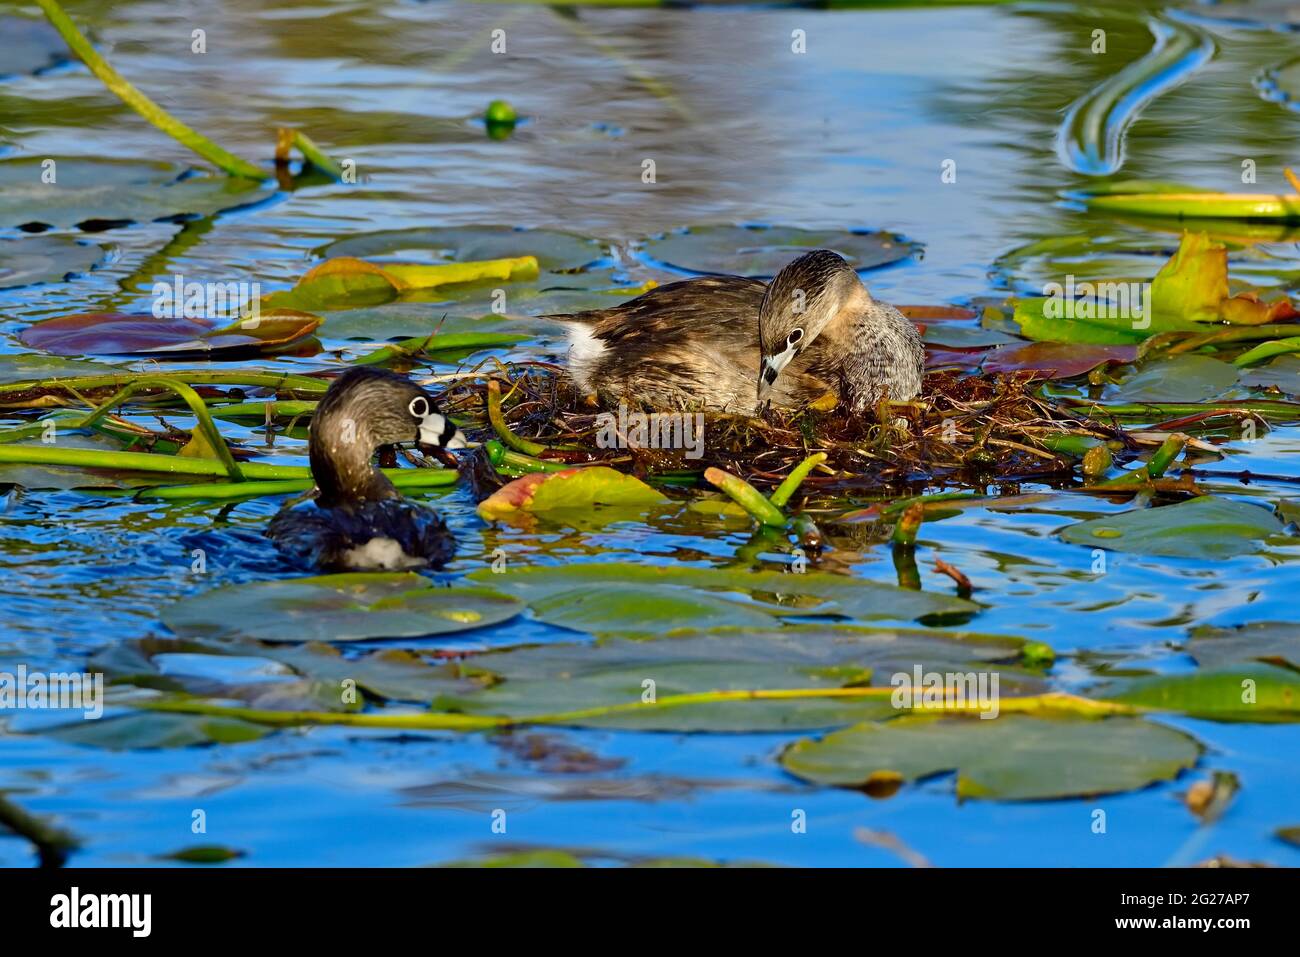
(359, 521)
(733, 344)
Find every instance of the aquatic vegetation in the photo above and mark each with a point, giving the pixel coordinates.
(688, 637)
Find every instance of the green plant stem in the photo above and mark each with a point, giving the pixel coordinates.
(406, 480)
(498, 421)
(197, 407)
(1162, 410)
(1153, 468)
(908, 524)
(168, 464)
(52, 844)
(746, 496)
(1050, 702)
(792, 481)
(502, 457)
(431, 345)
(281, 382)
(146, 107)
(289, 409)
(316, 156)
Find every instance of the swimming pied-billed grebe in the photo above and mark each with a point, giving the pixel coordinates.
(732, 344)
(359, 521)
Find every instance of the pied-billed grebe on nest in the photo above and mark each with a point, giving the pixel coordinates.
(359, 521)
(732, 344)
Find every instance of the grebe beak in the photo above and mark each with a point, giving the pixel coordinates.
(439, 432)
(770, 369)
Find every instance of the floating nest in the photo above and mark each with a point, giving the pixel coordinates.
(965, 431)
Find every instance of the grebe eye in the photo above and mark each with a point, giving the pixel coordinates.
(794, 337)
(419, 407)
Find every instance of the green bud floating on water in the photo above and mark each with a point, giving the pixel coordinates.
(500, 119)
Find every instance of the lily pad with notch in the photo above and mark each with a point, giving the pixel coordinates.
(809, 593)
(1205, 527)
(346, 607)
(32, 260)
(95, 194)
(761, 251)
(1011, 758)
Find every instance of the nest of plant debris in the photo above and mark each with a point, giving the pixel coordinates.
(965, 430)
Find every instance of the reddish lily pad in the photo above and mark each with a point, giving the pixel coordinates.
(1055, 360)
(115, 333)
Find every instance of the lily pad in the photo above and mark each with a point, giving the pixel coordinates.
(763, 250)
(99, 193)
(35, 367)
(1283, 373)
(964, 336)
(555, 678)
(810, 593)
(1183, 378)
(573, 488)
(346, 282)
(39, 259)
(1055, 360)
(114, 333)
(554, 250)
(1012, 758)
(1205, 527)
(1245, 692)
(145, 729)
(407, 319)
(1271, 641)
(646, 610)
(349, 607)
(391, 673)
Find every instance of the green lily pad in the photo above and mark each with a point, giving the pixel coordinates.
(1184, 378)
(35, 367)
(764, 250)
(407, 319)
(349, 607)
(144, 729)
(1205, 527)
(555, 250)
(543, 857)
(1273, 641)
(577, 488)
(809, 593)
(39, 259)
(1246, 692)
(1034, 322)
(1283, 373)
(96, 193)
(391, 673)
(204, 854)
(964, 336)
(646, 610)
(557, 678)
(1011, 758)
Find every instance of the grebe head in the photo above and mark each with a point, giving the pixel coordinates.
(804, 298)
(362, 410)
